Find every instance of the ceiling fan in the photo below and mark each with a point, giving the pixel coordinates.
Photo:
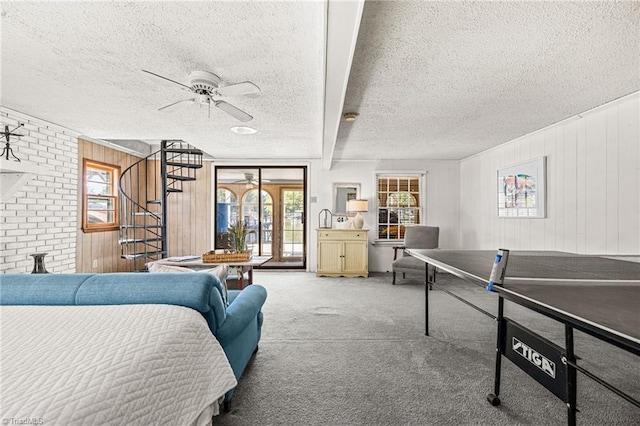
(249, 180)
(205, 85)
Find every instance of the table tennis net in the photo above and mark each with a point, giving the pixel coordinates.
(567, 267)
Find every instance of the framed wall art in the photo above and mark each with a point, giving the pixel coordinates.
(521, 190)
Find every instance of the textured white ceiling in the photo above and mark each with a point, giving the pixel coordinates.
(79, 64)
(432, 80)
(444, 80)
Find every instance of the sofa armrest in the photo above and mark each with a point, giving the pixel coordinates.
(244, 309)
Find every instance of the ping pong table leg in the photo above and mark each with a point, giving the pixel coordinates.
(426, 300)
(429, 280)
(493, 398)
(571, 376)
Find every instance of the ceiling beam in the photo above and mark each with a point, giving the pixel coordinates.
(343, 23)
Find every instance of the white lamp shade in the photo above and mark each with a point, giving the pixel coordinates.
(357, 205)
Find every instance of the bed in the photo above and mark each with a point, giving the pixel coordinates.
(110, 365)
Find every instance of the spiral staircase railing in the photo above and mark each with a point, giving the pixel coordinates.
(144, 188)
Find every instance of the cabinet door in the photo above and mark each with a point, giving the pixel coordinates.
(355, 257)
(330, 257)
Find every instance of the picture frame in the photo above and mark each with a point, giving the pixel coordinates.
(521, 190)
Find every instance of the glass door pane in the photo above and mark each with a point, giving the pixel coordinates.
(271, 201)
(258, 215)
(292, 223)
(236, 200)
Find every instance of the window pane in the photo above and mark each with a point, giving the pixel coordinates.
(100, 216)
(383, 232)
(383, 216)
(98, 175)
(94, 188)
(227, 209)
(95, 203)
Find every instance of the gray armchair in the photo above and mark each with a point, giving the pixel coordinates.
(415, 237)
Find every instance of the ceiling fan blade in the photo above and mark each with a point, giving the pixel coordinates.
(233, 111)
(244, 88)
(168, 79)
(176, 103)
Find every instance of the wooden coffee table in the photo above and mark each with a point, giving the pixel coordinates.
(243, 266)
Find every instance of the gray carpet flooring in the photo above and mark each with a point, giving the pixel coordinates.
(338, 351)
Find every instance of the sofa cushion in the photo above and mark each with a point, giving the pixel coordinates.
(220, 271)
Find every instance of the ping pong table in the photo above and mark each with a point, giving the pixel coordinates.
(596, 295)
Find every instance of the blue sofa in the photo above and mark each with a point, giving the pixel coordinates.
(236, 326)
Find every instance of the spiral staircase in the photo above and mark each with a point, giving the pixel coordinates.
(144, 188)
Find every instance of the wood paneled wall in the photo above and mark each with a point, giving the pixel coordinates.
(101, 247)
(189, 217)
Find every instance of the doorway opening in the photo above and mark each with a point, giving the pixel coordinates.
(271, 201)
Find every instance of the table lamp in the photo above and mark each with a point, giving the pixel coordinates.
(357, 206)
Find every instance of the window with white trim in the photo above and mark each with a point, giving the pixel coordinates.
(400, 202)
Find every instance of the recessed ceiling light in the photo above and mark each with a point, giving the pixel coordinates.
(350, 116)
(243, 130)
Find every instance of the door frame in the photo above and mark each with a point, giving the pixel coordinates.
(305, 215)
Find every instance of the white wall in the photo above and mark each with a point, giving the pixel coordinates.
(42, 215)
(442, 201)
(593, 186)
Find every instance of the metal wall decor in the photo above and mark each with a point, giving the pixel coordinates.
(7, 151)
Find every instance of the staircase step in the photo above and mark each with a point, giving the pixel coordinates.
(186, 165)
(140, 226)
(139, 240)
(148, 214)
(174, 190)
(181, 178)
(154, 201)
(132, 256)
(192, 151)
(139, 255)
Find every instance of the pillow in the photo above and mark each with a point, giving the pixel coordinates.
(154, 267)
(221, 271)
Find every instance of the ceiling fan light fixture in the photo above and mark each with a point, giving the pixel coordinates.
(350, 116)
(244, 130)
(206, 86)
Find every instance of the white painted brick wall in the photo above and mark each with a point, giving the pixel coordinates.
(42, 215)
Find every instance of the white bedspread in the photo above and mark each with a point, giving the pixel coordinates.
(109, 365)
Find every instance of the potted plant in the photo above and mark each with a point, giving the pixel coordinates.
(239, 233)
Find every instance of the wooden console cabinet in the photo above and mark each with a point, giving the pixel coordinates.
(342, 253)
